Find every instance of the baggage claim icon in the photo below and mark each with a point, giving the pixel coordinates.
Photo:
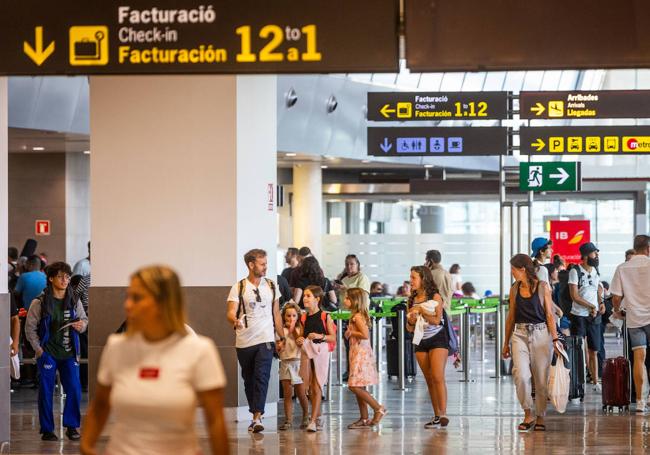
(88, 45)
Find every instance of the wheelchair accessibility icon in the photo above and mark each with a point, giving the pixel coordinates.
(88, 45)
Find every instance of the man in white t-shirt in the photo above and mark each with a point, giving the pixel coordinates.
(587, 308)
(254, 309)
(542, 253)
(632, 282)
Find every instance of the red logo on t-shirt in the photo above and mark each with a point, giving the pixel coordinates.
(149, 373)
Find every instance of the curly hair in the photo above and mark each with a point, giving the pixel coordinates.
(430, 288)
(310, 270)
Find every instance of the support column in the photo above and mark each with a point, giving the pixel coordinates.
(5, 393)
(181, 169)
(307, 207)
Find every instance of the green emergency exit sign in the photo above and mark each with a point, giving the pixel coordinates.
(559, 176)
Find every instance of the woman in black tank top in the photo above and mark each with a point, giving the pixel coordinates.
(530, 327)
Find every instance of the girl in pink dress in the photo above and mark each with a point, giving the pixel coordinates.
(363, 372)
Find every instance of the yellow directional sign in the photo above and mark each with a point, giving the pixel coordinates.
(386, 111)
(556, 109)
(538, 109)
(38, 55)
(538, 144)
(585, 140)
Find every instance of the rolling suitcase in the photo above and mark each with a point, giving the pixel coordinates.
(627, 350)
(616, 384)
(392, 356)
(575, 349)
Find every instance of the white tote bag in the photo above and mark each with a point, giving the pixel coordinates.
(559, 382)
(14, 365)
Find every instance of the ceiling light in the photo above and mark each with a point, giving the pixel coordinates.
(290, 155)
(86, 152)
(38, 149)
(323, 167)
(365, 161)
(428, 166)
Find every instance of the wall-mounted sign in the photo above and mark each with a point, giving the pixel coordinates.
(595, 104)
(42, 227)
(407, 106)
(485, 35)
(437, 141)
(585, 140)
(567, 236)
(167, 36)
(555, 176)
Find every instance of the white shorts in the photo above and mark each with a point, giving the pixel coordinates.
(290, 371)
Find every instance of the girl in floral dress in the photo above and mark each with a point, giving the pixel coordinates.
(363, 372)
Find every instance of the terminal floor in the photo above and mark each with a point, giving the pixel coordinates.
(484, 415)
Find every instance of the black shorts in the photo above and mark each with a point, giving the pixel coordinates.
(438, 341)
(586, 326)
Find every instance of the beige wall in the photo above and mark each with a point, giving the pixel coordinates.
(180, 171)
(37, 191)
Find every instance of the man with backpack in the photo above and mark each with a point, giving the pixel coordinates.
(587, 307)
(54, 322)
(254, 310)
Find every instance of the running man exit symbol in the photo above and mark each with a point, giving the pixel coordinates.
(535, 176)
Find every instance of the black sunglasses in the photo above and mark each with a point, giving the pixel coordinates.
(258, 298)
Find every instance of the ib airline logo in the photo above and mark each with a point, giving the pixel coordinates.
(636, 144)
(577, 237)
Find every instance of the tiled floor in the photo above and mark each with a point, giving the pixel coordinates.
(484, 415)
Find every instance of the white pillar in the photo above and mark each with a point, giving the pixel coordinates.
(307, 207)
(181, 168)
(5, 394)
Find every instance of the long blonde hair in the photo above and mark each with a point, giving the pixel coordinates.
(360, 303)
(165, 287)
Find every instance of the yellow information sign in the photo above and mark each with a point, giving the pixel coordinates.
(592, 144)
(637, 144)
(556, 109)
(89, 45)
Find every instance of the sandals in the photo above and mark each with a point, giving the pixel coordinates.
(379, 414)
(359, 424)
(526, 426)
(539, 427)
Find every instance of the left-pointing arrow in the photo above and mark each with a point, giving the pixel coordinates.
(386, 146)
(38, 55)
(386, 110)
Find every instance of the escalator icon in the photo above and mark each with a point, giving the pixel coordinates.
(89, 45)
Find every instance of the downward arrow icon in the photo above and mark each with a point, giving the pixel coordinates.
(386, 146)
(562, 176)
(38, 55)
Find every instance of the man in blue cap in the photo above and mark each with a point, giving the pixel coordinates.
(587, 308)
(542, 253)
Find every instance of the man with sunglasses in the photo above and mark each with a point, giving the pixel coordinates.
(54, 321)
(254, 312)
(587, 308)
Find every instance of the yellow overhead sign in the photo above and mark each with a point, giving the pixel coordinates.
(585, 140)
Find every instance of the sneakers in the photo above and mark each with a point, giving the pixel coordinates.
(640, 407)
(311, 428)
(49, 436)
(319, 424)
(597, 387)
(72, 434)
(256, 426)
(287, 425)
(433, 423)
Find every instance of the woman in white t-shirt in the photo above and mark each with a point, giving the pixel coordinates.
(153, 377)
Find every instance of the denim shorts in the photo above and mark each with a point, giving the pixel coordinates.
(639, 336)
(584, 326)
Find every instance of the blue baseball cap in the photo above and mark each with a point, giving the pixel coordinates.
(539, 244)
